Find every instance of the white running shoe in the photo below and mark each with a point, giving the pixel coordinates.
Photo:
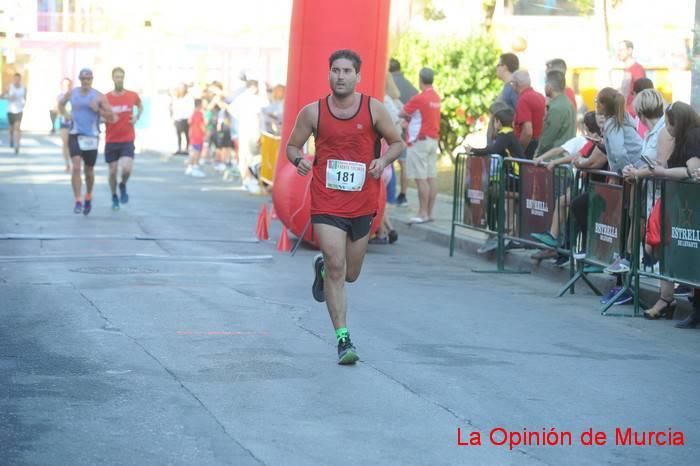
(198, 173)
(188, 170)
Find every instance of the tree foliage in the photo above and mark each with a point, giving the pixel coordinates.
(465, 78)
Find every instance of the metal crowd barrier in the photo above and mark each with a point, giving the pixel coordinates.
(513, 198)
(536, 200)
(679, 217)
(607, 225)
(478, 200)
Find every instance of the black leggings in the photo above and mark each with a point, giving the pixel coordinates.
(579, 209)
(182, 126)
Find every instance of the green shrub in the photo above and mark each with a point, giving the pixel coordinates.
(465, 78)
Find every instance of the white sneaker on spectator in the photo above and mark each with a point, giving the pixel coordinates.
(219, 167)
(188, 170)
(198, 173)
(621, 265)
(252, 186)
(490, 245)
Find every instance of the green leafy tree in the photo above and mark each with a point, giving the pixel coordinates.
(465, 78)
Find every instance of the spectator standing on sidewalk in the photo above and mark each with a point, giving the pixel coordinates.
(386, 233)
(180, 110)
(657, 147)
(623, 147)
(508, 64)
(558, 64)
(633, 72)
(406, 92)
(423, 113)
(683, 124)
(575, 151)
(640, 85)
(64, 121)
(273, 113)
(529, 113)
(622, 142)
(197, 130)
(247, 111)
(560, 121)
(505, 143)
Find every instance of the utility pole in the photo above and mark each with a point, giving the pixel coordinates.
(695, 61)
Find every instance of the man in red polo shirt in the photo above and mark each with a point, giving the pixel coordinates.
(423, 113)
(633, 72)
(529, 113)
(119, 141)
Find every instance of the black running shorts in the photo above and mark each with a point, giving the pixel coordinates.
(357, 227)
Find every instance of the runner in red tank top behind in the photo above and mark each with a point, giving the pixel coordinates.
(119, 142)
(346, 172)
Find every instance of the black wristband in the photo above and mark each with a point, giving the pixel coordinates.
(297, 161)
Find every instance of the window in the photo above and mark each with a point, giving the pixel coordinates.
(550, 7)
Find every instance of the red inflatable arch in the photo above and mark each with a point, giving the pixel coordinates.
(318, 28)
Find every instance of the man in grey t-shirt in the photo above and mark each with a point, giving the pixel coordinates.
(406, 91)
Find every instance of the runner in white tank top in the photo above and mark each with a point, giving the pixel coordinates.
(17, 97)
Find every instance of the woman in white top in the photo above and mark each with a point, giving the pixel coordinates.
(64, 121)
(386, 232)
(17, 96)
(656, 148)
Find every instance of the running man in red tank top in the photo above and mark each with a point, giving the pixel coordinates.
(347, 169)
(119, 143)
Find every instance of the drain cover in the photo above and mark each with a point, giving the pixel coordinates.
(114, 270)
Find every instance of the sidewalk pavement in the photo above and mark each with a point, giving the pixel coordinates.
(468, 241)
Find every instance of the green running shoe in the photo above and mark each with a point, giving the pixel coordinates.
(347, 353)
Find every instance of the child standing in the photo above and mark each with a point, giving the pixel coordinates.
(196, 133)
(505, 143)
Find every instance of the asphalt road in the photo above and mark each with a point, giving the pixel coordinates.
(164, 333)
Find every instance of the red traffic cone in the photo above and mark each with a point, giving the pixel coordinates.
(273, 214)
(283, 244)
(262, 225)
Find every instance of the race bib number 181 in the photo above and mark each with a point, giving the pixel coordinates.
(344, 175)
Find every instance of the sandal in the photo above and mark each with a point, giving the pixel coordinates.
(666, 311)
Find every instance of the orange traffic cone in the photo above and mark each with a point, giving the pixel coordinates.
(273, 214)
(262, 225)
(283, 244)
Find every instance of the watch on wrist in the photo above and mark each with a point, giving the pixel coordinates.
(297, 161)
